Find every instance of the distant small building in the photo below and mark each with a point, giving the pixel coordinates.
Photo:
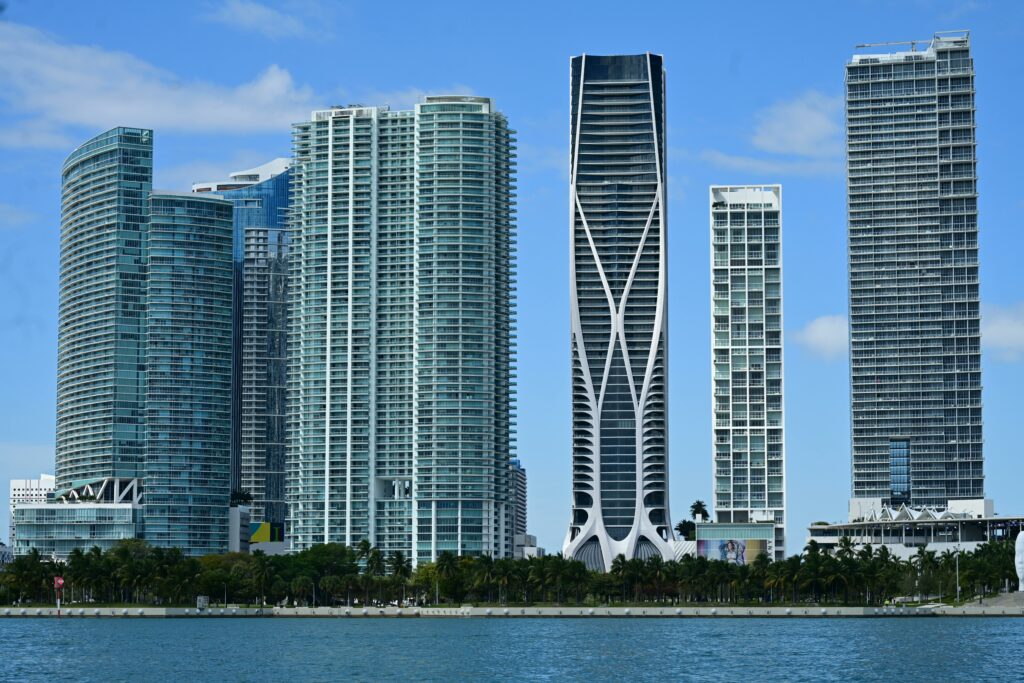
(238, 528)
(6, 556)
(526, 547)
(268, 538)
(517, 488)
(963, 525)
(25, 491)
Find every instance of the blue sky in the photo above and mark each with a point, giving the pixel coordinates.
(754, 95)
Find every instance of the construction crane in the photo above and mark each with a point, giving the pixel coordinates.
(913, 43)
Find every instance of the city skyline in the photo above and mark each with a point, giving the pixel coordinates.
(544, 456)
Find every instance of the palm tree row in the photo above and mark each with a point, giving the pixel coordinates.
(333, 574)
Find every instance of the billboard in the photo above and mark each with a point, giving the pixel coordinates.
(733, 550)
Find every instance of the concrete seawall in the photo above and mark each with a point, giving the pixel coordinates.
(705, 612)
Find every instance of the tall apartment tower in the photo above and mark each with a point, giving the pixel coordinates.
(144, 360)
(746, 340)
(101, 332)
(400, 353)
(915, 339)
(261, 199)
(188, 360)
(618, 289)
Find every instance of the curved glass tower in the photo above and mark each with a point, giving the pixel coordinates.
(619, 310)
(101, 337)
(188, 412)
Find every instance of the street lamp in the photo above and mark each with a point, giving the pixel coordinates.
(958, 571)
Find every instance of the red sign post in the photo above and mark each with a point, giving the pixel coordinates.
(58, 588)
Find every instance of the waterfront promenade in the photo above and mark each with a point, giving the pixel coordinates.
(469, 611)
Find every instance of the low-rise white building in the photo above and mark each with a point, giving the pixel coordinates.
(963, 525)
(25, 492)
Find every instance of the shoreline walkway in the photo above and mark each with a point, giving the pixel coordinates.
(998, 607)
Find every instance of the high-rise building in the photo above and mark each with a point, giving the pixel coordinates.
(618, 285)
(400, 370)
(101, 336)
(144, 360)
(259, 386)
(517, 505)
(188, 359)
(915, 340)
(746, 339)
(27, 491)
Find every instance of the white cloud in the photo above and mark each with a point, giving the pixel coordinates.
(253, 17)
(13, 217)
(826, 336)
(802, 136)
(750, 164)
(1002, 331)
(58, 86)
(182, 176)
(807, 126)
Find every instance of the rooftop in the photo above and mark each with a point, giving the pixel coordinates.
(941, 39)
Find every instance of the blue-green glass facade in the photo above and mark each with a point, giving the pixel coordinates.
(101, 338)
(189, 358)
(259, 386)
(144, 357)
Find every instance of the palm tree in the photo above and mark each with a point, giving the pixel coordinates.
(699, 509)
(401, 569)
(363, 549)
(776, 579)
(619, 570)
(845, 547)
(655, 570)
(332, 586)
(302, 586)
(447, 569)
(374, 570)
(577, 576)
(503, 575)
(685, 529)
(636, 571)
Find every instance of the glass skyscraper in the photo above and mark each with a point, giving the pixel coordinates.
(618, 283)
(259, 383)
(188, 356)
(101, 337)
(400, 370)
(746, 341)
(144, 358)
(915, 339)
